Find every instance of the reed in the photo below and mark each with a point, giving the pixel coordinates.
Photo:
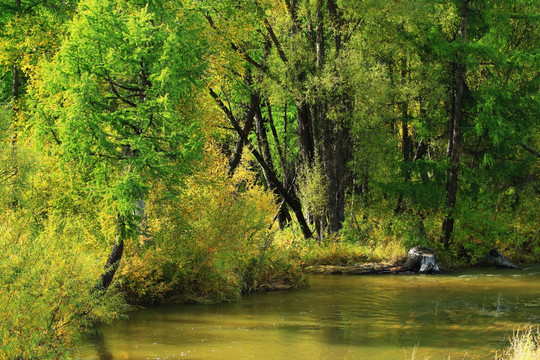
(524, 345)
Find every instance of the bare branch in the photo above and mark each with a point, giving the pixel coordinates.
(531, 150)
(276, 42)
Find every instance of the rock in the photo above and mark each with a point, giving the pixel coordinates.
(422, 260)
(496, 258)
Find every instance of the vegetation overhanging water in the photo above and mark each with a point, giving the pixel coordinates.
(194, 151)
(459, 315)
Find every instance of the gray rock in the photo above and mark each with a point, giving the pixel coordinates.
(496, 258)
(422, 260)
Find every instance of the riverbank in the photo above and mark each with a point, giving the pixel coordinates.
(344, 258)
(355, 269)
(347, 317)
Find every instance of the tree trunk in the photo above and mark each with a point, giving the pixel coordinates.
(113, 262)
(16, 82)
(337, 151)
(334, 144)
(234, 160)
(262, 137)
(422, 260)
(16, 74)
(305, 133)
(406, 141)
(496, 258)
(288, 195)
(454, 142)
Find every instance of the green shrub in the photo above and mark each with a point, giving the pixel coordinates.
(208, 244)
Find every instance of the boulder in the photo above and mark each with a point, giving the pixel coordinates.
(421, 260)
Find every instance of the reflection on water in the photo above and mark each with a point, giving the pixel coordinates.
(338, 317)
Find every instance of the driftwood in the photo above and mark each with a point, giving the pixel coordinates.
(496, 258)
(419, 260)
(360, 269)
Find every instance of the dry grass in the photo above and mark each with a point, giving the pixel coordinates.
(525, 345)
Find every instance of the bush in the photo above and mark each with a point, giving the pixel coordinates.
(207, 244)
(46, 298)
(52, 252)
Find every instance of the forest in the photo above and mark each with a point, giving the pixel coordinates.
(159, 151)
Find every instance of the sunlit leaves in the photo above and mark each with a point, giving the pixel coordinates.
(118, 97)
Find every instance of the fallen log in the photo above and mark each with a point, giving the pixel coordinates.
(419, 260)
(359, 269)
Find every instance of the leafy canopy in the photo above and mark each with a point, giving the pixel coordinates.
(117, 98)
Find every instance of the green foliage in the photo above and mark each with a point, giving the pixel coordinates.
(115, 93)
(218, 245)
(46, 298)
(313, 188)
(339, 252)
(51, 255)
(116, 103)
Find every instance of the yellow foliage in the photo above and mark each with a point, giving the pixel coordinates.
(201, 240)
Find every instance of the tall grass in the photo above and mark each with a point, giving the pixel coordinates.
(524, 345)
(341, 253)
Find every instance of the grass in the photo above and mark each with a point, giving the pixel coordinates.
(341, 253)
(524, 345)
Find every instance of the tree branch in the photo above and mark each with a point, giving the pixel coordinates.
(291, 199)
(531, 150)
(119, 97)
(276, 42)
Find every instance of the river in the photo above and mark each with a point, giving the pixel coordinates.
(462, 315)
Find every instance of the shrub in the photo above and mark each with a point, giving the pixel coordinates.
(46, 298)
(208, 243)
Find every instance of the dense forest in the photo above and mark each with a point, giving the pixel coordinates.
(191, 151)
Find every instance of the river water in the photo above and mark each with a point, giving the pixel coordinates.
(466, 315)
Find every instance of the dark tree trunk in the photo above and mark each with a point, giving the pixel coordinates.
(334, 144)
(406, 141)
(16, 82)
(305, 133)
(262, 137)
(113, 262)
(288, 195)
(454, 143)
(335, 156)
(234, 160)
(337, 193)
(111, 266)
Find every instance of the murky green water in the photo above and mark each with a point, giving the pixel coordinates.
(463, 315)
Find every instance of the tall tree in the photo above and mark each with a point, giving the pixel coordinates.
(455, 124)
(303, 41)
(117, 104)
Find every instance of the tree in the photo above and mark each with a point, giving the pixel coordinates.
(295, 52)
(494, 103)
(117, 105)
